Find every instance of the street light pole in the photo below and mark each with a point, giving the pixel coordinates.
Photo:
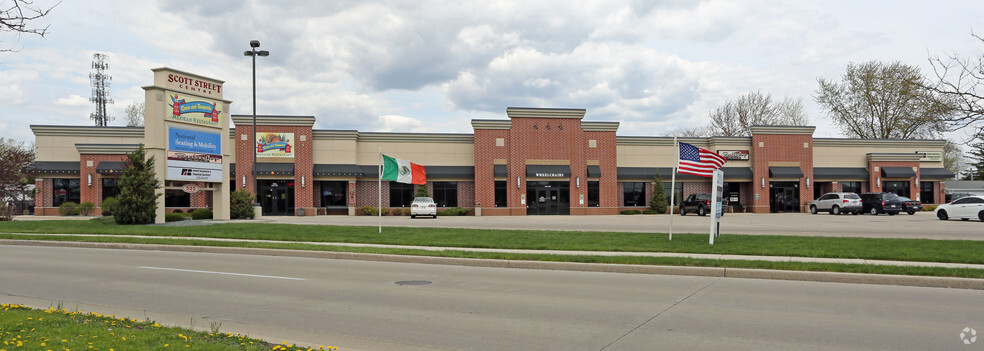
(253, 44)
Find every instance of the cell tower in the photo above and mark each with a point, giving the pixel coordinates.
(100, 89)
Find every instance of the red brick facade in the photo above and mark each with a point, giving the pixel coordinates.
(779, 150)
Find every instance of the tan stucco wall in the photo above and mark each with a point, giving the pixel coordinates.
(62, 148)
(855, 156)
(425, 154)
(335, 151)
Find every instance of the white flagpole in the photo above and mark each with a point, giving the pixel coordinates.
(379, 189)
(676, 150)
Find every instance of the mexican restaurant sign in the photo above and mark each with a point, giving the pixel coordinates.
(275, 144)
(193, 110)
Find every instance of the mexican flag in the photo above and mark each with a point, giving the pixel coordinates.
(403, 171)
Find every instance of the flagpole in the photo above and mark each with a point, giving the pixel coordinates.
(676, 147)
(379, 190)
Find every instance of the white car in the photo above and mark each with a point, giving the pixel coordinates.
(964, 208)
(837, 203)
(423, 206)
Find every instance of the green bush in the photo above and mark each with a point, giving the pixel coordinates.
(455, 211)
(241, 205)
(631, 212)
(68, 209)
(201, 213)
(368, 211)
(652, 212)
(396, 212)
(385, 211)
(109, 205)
(138, 190)
(86, 208)
(174, 217)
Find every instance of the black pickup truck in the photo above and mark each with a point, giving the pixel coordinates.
(700, 203)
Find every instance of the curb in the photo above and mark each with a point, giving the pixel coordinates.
(747, 273)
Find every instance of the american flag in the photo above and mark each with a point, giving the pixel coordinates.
(698, 161)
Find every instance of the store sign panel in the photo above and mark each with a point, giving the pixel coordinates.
(734, 154)
(275, 145)
(194, 155)
(193, 109)
(931, 156)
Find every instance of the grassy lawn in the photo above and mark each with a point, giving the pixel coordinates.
(23, 328)
(923, 250)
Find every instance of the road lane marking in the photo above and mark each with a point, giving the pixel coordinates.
(223, 273)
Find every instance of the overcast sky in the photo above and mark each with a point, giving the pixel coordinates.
(433, 66)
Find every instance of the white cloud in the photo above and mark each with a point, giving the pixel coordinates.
(394, 123)
(72, 101)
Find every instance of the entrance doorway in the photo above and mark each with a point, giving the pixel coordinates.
(784, 197)
(548, 198)
(277, 197)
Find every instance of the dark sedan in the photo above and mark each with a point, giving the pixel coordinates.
(910, 206)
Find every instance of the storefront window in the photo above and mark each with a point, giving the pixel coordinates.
(635, 193)
(401, 195)
(594, 200)
(926, 193)
(851, 187)
(110, 188)
(446, 194)
(176, 198)
(65, 190)
(899, 188)
(333, 193)
(668, 189)
(500, 193)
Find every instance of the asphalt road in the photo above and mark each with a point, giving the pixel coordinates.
(922, 225)
(358, 305)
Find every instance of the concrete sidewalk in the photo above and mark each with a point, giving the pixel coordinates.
(565, 252)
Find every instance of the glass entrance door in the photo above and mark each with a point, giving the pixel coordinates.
(277, 197)
(784, 197)
(548, 198)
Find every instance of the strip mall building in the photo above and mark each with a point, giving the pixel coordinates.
(536, 161)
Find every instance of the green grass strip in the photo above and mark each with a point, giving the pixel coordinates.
(636, 260)
(921, 250)
(24, 328)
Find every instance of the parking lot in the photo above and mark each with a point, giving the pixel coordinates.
(922, 225)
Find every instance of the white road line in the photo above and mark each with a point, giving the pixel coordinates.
(223, 273)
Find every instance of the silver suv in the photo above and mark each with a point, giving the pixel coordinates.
(837, 203)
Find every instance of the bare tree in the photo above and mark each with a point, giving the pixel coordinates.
(134, 114)
(883, 100)
(960, 80)
(701, 131)
(952, 157)
(735, 118)
(15, 157)
(17, 15)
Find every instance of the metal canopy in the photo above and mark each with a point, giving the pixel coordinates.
(840, 173)
(898, 172)
(785, 172)
(110, 167)
(548, 171)
(337, 170)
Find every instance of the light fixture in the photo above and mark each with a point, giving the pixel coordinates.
(917, 180)
(253, 44)
(90, 179)
(878, 181)
(244, 180)
(578, 182)
(517, 182)
(807, 182)
(302, 181)
(763, 182)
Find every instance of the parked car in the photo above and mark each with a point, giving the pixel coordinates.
(965, 208)
(910, 206)
(875, 203)
(837, 203)
(423, 206)
(700, 203)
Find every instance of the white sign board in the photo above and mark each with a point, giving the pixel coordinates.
(717, 191)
